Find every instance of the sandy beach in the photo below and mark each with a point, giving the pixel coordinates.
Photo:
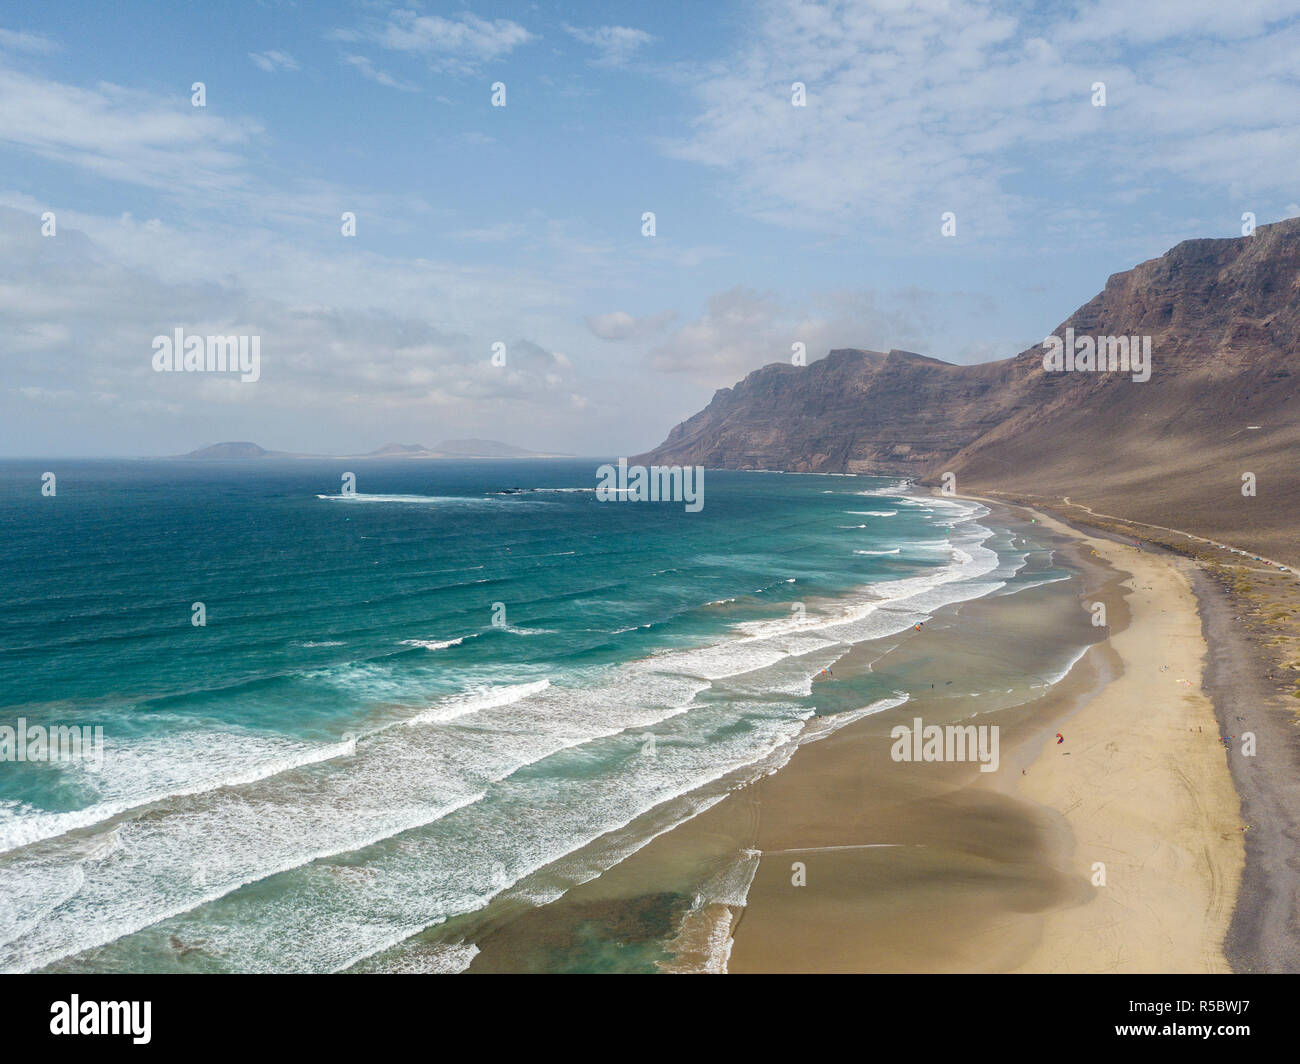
(1147, 794)
(1136, 796)
(844, 860)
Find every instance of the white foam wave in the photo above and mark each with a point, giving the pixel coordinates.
(438, 959)
(491, 499)
(1013, 589)
(463, 754)
(155, 770)
(433, 644)
(358, 497)
(477, 701)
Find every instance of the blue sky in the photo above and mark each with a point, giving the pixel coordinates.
(522, 224)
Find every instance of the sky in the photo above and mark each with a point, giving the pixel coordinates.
(523, 225)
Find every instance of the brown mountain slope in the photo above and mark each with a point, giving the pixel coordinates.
(1224, 322)
(853, 411)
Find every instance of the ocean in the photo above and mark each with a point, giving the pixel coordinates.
(466, 681)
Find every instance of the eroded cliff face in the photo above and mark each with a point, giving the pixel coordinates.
(853, 411)
(1223, 318)
(1224, 322)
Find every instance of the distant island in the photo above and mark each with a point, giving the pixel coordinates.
(446, 449)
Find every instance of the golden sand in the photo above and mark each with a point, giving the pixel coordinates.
(1147, 794)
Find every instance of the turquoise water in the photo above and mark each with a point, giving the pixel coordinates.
(405, 700)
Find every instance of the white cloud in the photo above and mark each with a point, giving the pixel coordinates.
(21, 41)
(84, 309)
(356, 345)
(1161, 20)
(125, 135)
(457, 45)
(737, 333)
(741, 330)
(369, 70)
(620, 325)
(975, 107)
(273, 60)
(616, 44)
(206, 161)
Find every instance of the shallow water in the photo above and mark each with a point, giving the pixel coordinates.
(351, 750)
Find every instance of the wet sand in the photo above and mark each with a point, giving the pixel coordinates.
(1137, 791)
(976, 864)
(1152, 810)
(847, 860)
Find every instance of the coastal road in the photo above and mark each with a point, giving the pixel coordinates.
(1180, 532)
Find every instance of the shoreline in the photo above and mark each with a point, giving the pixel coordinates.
(1150, 801)
(940, 867)
(682, 869)
(1246, 677)
(1168, 837)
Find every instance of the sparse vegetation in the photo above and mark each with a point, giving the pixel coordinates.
(1267, 600)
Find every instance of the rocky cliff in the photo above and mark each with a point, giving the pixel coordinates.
(1223, 318)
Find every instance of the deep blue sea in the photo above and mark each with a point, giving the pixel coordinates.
(405, 700)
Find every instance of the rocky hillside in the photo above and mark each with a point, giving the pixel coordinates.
(853, 411)
(1224, 321)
